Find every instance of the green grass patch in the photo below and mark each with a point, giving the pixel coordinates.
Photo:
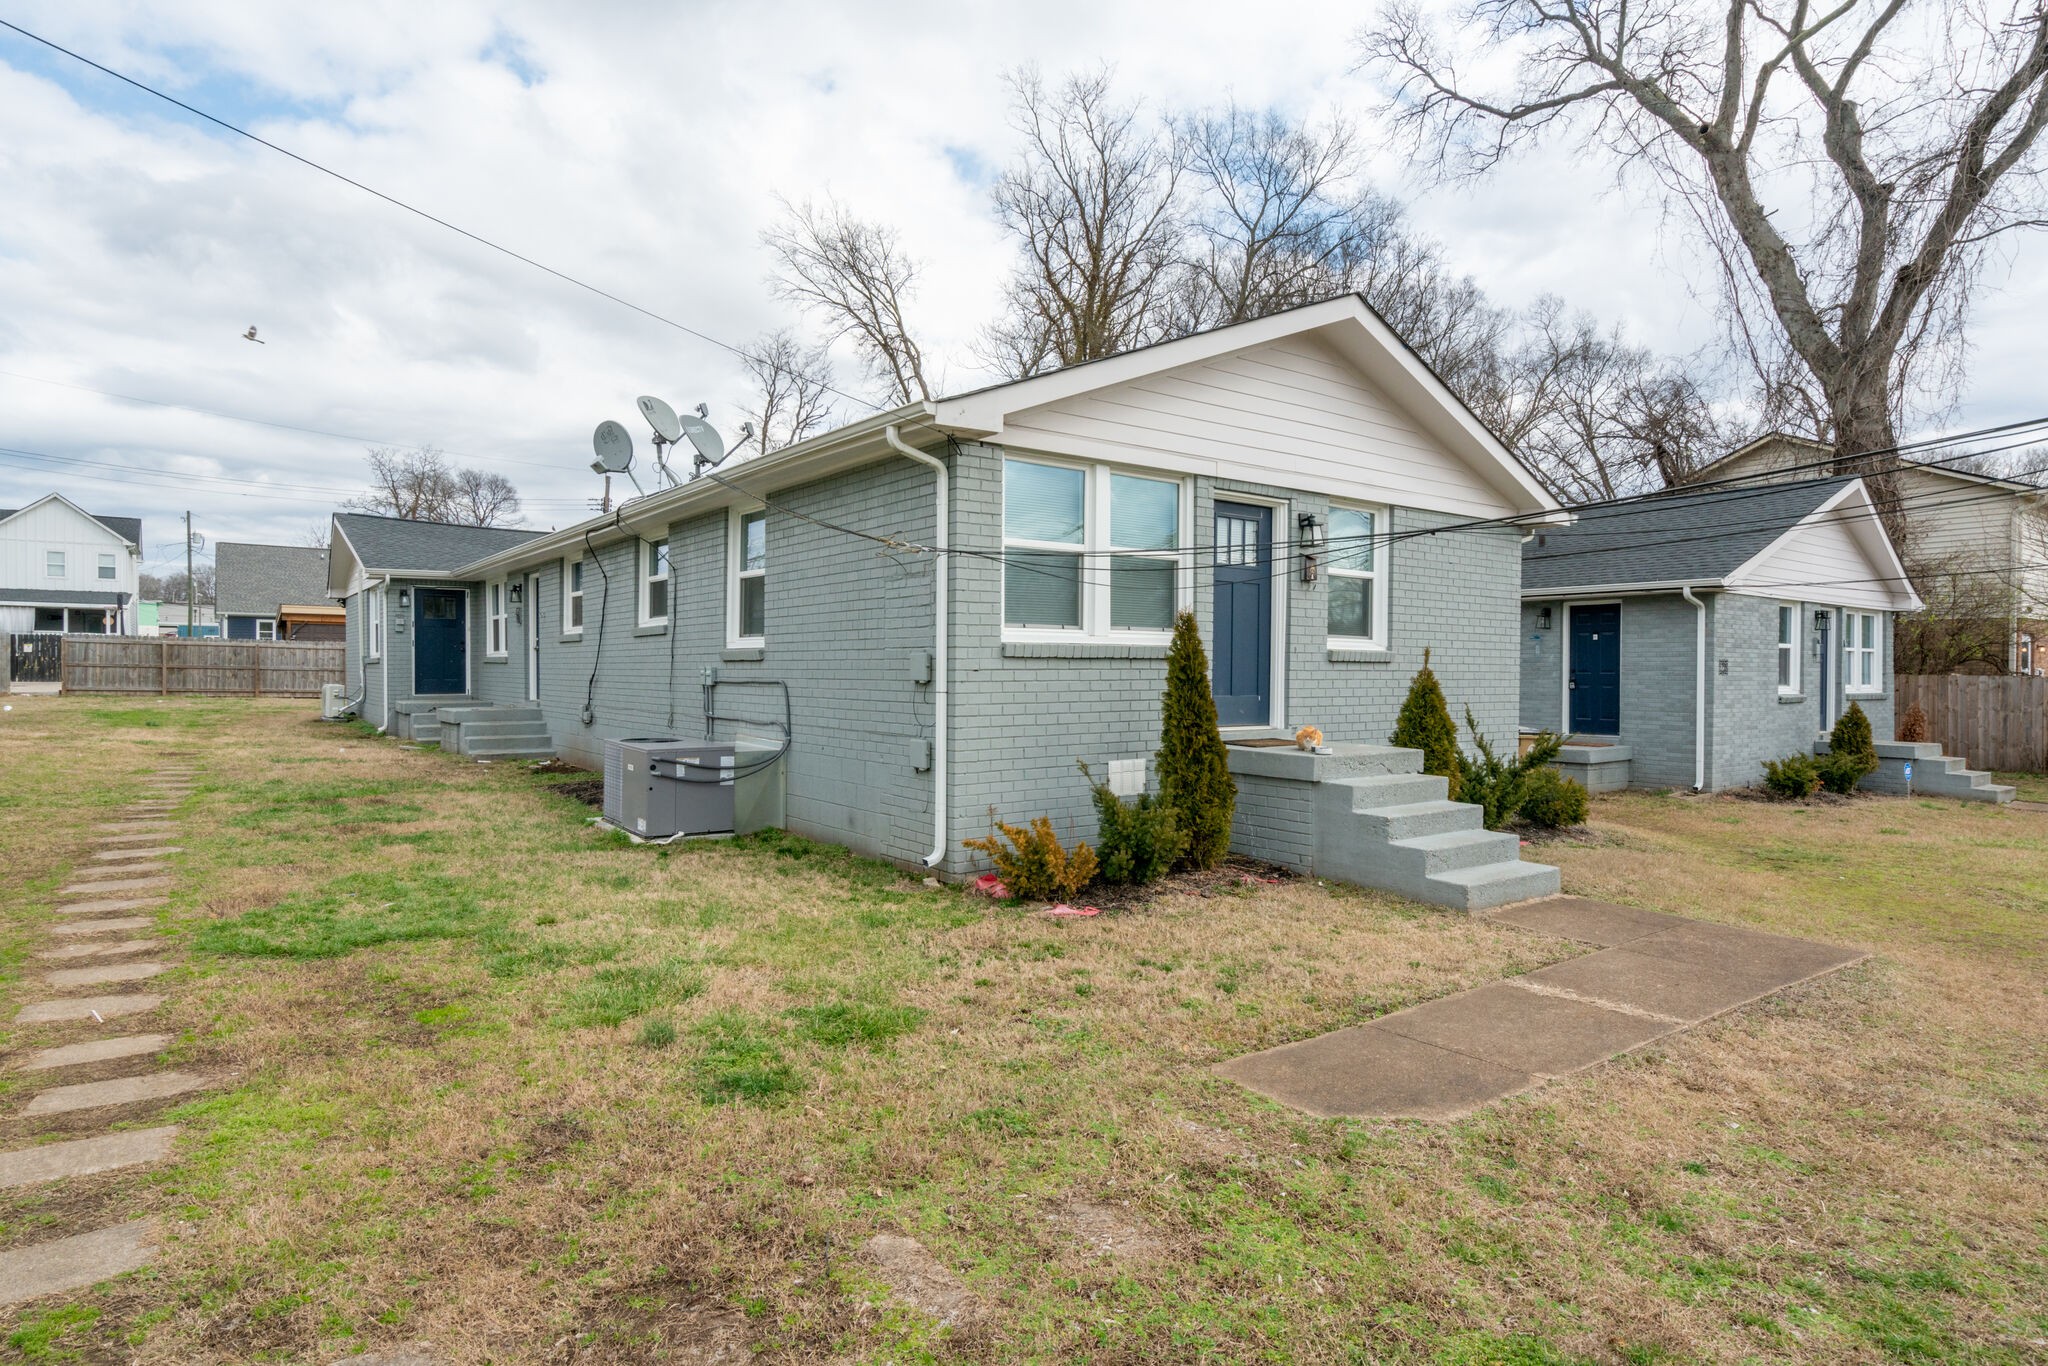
(615, 995)
(739, 1060)
(37, 1338)
(846, 1023)
(356, 911)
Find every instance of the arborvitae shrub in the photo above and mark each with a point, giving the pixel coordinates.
(1425, 724)
(1194, 771)
(1495, 785)
(1794, 777)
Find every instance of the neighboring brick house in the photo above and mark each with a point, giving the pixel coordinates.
(1973, 542)
(1685, 638)
(65, 569)
(1302, 483)
(274, 592)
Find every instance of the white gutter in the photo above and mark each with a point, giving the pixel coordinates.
(941, 572)
(1699, 694)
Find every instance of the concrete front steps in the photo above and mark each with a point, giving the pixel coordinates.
(1934, 774)
(505, 731)
(418, 719)
(1366, 814)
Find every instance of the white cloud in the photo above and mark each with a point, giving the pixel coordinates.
(635, 146)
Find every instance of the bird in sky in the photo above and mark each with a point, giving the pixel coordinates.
(250, 335)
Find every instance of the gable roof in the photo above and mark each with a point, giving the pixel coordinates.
(1816, 460)
(397, 545)
(1717, 538)
(129, 529)
(255, 580)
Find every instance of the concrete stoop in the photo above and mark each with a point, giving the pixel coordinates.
(505, 731)
(1367, 814)
(417, 719)
(1934, 774)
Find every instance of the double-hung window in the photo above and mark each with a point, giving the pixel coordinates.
(373, 633)
(747, 608)
(266, 630)
(494, 616)
(1090, 550)
(106, 566)
(53, 564)
(1788, 649)
(2026, 655)
(572, 597)
(1358, 600)
(1860, 662)
(654, 583)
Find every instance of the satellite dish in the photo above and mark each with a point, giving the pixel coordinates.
(710, 445)
(614, 447)
(661, 417)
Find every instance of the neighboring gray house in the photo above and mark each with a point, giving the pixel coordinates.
(1302, 483)
(274, 592)
(1685, 638)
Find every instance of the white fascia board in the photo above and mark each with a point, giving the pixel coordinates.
(1616, 590)
(855, 444)
(1864, 526)
(1358, 333)
(337, 539)
(97, 524)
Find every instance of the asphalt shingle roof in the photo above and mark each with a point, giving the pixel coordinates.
(255, 580)
(57, 597)
(1669, 537)
(128, 529)
(393, 543)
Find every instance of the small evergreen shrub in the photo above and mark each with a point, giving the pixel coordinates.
(1839, 773)
(1136, 841)
(1035, 865)
(1495, 785)
(1425, 724)
(1194, 771)
(1553, 801)
(1852, 753)
(1794, 777)
(1913, 725)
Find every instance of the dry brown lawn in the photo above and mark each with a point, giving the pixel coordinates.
(498, 1081)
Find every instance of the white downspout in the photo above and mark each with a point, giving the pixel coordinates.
(1699, 694)
(941, 630)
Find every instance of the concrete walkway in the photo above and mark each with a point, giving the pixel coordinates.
(92, 1029)
(1654, 975)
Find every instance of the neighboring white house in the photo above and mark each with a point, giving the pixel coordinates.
(1957, 522)
(65, 569)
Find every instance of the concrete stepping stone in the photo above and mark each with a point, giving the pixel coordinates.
(1548, 1036)
(117, 903)
(1367, 1072)
(97, 950)
(93, 1095)
(103, 973)
(138, 837)
(85, 1007)
(125, 855)
(1595, 922)
(99, 1050)
(117, 924)
(422, 1354)
(114, 887)
(921, 1281)
(28, 1273)
(151, 829)
(85, 1156)
(146, 868)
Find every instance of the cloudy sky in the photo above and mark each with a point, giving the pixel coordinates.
(638, 147)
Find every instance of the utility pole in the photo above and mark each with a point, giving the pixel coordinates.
(191, 596)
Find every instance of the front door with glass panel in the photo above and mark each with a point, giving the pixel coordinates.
(1241, 674)
(440, 652)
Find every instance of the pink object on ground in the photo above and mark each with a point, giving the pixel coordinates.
(1064, 909)
(988, 884)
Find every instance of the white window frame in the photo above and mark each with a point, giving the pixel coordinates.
(53, 564)
(266, 629)
(1850, 652)
(108, 569)
(495, 621)
(736, 559)
(644, 552)
(373, 625)
(1094, 553)
(1376, 576)
(572, 597)
(2026, 654)
(1789, 687)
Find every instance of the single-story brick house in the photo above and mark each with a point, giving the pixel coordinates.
(1682, 639)
(957, 599)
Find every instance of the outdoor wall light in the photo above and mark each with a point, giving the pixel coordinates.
(405, 599)
(518, 590)
(1543, 618)
(1308, 536)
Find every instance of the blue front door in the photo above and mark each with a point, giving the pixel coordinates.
(1595, 682)
(440, 640)
(1241, 674)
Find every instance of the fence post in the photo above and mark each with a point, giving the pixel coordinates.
(163, 667)
(255, 669)
(63, 666)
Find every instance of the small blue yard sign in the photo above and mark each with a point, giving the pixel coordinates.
(1909, 771)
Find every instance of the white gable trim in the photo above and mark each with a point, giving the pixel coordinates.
(1346, 325)
(91, 520)
(1884, 586)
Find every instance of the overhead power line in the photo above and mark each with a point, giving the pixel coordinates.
(435, 219)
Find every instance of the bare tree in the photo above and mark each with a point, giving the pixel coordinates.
(1094, 205)
(1965, 623)
(171, 587)
(1848, 165)
(855, 274)
(790, 401)
(422, 486)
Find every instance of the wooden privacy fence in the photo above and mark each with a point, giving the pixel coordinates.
(163, 665)
(1994, 722)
